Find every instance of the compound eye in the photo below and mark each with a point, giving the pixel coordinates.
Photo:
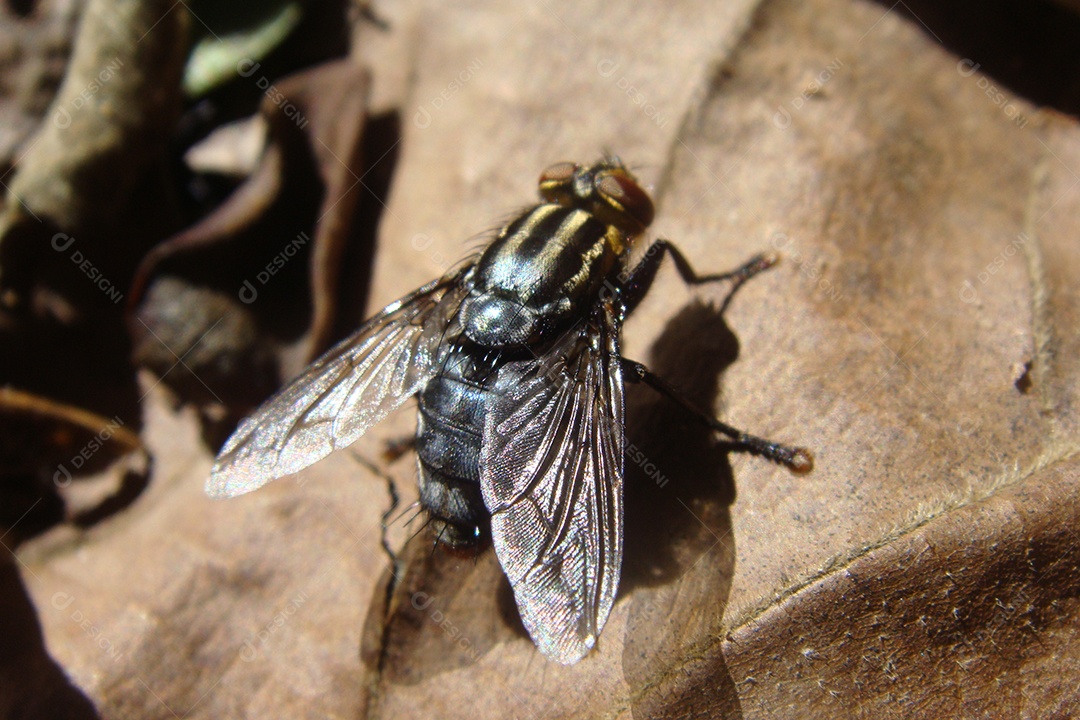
(557, 180)
(626, 197)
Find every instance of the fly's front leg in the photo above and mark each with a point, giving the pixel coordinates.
(641, 277)
(798, 460)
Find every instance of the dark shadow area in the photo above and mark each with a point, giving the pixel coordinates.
(45, 448)
(244, 369)
(447, 610)
(131, 487)
(245, 287)
(680, 553)
(29, 507)
(21, 8)
(82, 362)
(32, 685)
(62, 330)
(381, 150)
(1029, 47)
(673, 462)
(232, 293)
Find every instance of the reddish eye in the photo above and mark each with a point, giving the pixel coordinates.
(558, 173)
(627, 197)
(556, 181)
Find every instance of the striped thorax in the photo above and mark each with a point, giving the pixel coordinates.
(553, 260)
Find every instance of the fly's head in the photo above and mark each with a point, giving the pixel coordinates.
(606, 189)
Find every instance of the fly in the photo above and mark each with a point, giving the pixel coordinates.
(515, 362)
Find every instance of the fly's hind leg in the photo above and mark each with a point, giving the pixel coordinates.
(797, 459)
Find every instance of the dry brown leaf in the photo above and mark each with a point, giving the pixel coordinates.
(85, 195)
(36, 41)
(94, 165)
(927, 567)
(58, 461)
(230, 291)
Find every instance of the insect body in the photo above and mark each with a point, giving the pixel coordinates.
(515, 363)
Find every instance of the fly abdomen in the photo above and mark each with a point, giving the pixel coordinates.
(448, 441)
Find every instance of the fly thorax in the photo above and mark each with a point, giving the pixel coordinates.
(494, 321)
(543, 267)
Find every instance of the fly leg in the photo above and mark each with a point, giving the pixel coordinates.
(641, 277)
(397, 447)
(798, 460)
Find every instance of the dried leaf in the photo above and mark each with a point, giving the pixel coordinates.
(36, 42)
(101, 152)
(83, 203)
(925, 568)
(63, 461)
(262, 270)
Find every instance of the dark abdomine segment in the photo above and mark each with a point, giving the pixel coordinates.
(448, 440)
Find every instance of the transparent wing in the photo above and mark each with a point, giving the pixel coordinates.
(551, 471)
(342, 394)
